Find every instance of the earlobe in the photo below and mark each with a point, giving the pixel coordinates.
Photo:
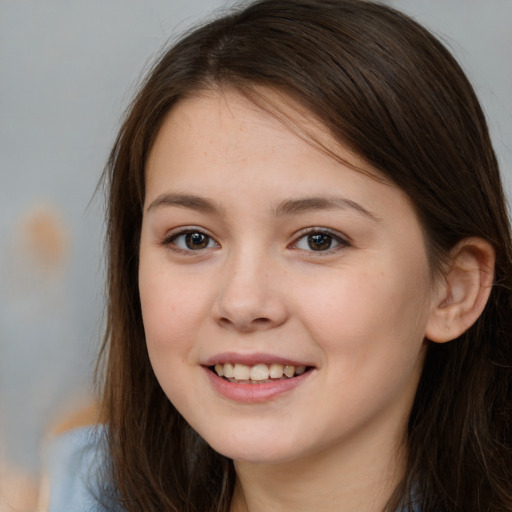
(463, 290)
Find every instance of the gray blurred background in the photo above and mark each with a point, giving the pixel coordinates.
(67, 70)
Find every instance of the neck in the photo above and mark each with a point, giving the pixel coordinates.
(350, 479)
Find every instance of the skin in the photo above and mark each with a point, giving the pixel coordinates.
(357, 312)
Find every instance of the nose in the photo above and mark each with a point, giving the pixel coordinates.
(250, 294)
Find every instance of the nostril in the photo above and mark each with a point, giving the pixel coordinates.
(261, 320)
(245, 325)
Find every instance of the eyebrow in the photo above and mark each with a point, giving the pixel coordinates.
(198, 203)
(307, 204)
(284, 208)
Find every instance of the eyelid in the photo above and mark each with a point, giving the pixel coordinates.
(342, 240)
(172, 235)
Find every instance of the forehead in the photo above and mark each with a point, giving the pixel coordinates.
(225, 135)
(222, 146)
(269, 115)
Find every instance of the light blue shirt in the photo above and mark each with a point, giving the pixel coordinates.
(73, 463)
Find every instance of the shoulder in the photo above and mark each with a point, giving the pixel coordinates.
(74, 464)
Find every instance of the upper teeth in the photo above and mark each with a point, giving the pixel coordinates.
(258, 372)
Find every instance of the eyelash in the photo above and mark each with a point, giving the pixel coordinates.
(341, 242)
(170, 241)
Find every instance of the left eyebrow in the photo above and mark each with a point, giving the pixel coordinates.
(307, 204)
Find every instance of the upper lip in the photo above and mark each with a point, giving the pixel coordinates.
(252, 359)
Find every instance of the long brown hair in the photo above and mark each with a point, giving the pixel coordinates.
(387, 89)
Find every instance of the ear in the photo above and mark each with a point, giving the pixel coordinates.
(462, 290)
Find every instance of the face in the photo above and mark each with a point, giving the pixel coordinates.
(285, 296)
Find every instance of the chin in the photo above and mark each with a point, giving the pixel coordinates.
(255, 451)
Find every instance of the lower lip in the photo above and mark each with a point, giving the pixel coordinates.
(253, 393)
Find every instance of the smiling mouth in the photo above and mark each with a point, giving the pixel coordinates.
(257, 374)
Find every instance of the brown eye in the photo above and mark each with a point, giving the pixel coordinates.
(191, 241)
(320, 241)
(196, 241)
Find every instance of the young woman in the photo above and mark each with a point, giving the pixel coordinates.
(310, 274)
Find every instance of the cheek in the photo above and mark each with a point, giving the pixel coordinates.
(374, 317)
(371, 334)
(170, 315)
(171, 309)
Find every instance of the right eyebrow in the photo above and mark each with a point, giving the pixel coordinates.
(198, 203)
